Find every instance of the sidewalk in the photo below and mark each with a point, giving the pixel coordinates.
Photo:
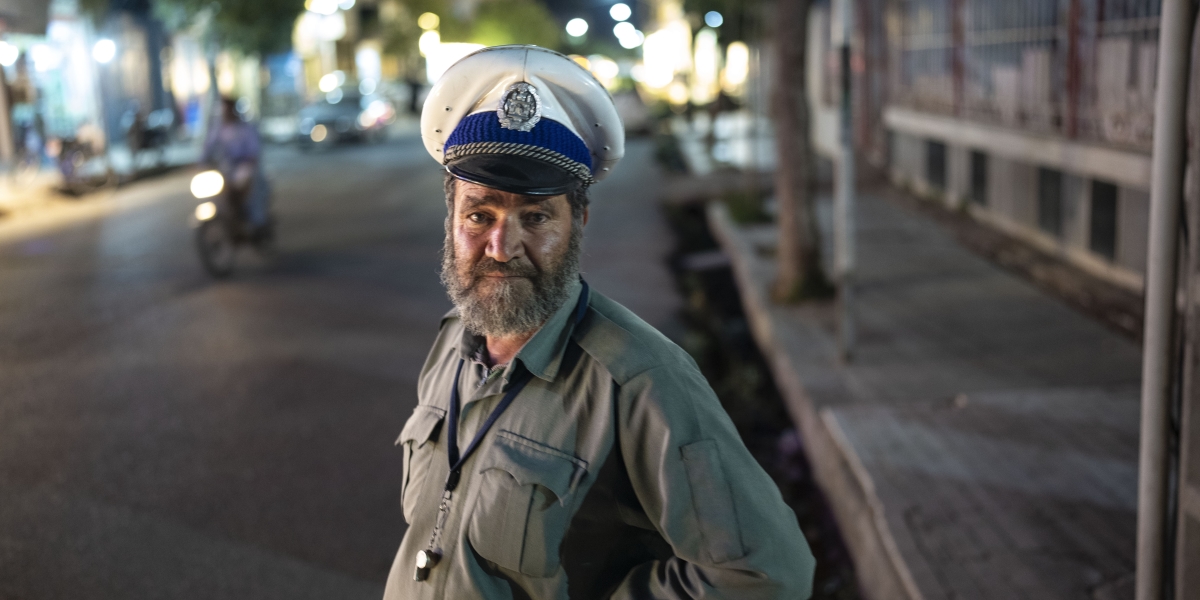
(982, 444)
(42, 187)
(17, 195)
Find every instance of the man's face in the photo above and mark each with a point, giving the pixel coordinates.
(509, 259)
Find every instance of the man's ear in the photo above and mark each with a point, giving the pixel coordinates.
(585, 216)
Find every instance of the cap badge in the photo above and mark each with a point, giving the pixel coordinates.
(520, 107)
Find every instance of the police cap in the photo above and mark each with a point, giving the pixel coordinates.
(522, 119)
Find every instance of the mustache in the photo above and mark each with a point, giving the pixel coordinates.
(490, 266)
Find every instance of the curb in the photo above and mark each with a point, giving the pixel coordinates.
(881, 571)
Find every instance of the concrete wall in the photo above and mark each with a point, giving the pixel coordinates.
(908, 162)
(1013, 161)
(1133, 224)
(958, 176)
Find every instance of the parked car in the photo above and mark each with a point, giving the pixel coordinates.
(344, 115)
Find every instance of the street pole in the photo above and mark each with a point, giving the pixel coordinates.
(1166, 192)
(843, 205)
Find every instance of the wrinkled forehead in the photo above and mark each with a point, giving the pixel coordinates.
(469, 195)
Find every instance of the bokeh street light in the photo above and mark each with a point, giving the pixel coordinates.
(428, 42)
(576, 27)
(620, 11)
(328, 83)
(628, 35)
(45, 57)
(104, 51)
(428, 21)
(605, 69)
(8, 54)
(713, 19)
(632, 41)
(737, 67)
(322, 7)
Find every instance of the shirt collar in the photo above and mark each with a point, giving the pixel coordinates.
(542, 354)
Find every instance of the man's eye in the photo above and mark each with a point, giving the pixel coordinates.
(477, 218)
(538, 218)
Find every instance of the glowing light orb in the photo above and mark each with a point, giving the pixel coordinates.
(576, 27)
(104, 51)
(207, 184)
(428, 21)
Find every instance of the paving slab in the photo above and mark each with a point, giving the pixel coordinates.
(982, 442)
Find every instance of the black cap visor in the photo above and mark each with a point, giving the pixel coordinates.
(517, 174)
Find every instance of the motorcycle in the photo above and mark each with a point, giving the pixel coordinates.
(83, 168)
(149, 133)
(221, 225)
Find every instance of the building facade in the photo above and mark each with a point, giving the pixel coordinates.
(1035, 116)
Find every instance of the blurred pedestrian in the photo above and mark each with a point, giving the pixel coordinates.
(133, 122)
(563, 447)
(414, 93)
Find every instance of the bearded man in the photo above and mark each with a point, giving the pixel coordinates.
(562, 447)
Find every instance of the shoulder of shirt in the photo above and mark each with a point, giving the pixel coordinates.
(449, 332)
(448, 336)
(626, 345)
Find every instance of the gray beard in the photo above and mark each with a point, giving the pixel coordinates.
(512, 306)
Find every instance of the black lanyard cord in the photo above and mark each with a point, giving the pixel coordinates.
(523, 376)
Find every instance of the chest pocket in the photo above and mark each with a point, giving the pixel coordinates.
(525, 503)
(419, 442)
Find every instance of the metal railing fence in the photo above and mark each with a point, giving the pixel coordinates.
(1082, 69)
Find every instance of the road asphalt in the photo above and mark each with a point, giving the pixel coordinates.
(165, 435)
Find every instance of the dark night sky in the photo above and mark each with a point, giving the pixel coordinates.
(600, 24)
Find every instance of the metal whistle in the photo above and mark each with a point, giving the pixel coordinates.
(426, 560)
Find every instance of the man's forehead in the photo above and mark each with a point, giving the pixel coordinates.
(474, 195)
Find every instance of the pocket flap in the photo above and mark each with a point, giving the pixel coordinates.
(422, 426)
(531, 462)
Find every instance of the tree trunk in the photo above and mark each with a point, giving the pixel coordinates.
(799, 256)
(7, 137)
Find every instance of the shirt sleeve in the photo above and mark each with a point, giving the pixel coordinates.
(252, 146)
(210, 144)
(731, 532)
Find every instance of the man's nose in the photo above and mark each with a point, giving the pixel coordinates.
(504, 241)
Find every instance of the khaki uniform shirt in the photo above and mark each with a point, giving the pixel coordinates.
(615, 473)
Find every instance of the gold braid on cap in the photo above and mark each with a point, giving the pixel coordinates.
(573, 167)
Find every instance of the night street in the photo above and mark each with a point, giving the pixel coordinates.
(930, 269)
(165, 435)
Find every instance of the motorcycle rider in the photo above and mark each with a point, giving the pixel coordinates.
(233, 147)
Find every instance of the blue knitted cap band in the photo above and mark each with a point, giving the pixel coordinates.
(484, 127)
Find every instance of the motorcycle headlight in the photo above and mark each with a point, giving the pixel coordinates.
(207, 184)
(206, 211)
